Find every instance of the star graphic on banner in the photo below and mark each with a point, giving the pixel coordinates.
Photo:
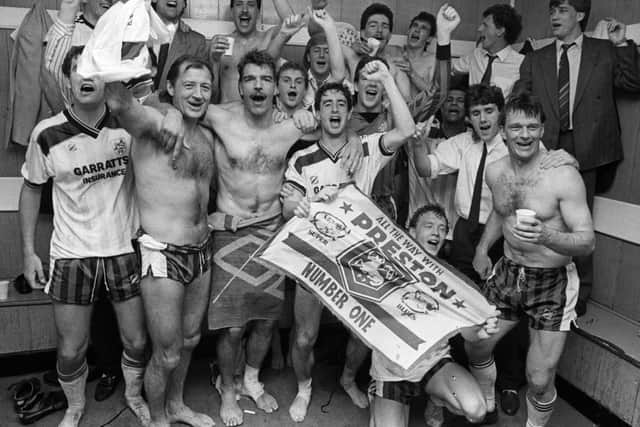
(459, 303)
(346, 207)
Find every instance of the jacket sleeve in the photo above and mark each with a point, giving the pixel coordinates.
(626, 70)
(58, 44)
(524, 83)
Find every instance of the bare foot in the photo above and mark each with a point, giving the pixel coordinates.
(71, 419)
(298, 409)
(262, 399)
(181, 413)
(230, 412)
(357, 397)
(140, 409)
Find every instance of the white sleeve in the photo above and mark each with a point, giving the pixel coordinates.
(37, 167)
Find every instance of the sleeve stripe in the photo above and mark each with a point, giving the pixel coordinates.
(383, 148)
(297, 186)
(32, 184)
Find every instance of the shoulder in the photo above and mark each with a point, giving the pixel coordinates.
(568, 175)
(306, 157)
(52, 131)
(495, 169)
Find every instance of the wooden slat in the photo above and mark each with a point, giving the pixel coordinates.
(606, 269)
(617, 219)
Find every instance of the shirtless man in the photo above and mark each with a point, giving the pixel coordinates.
(246, 38)
(174, 241)
(536, 276)
(250, 155)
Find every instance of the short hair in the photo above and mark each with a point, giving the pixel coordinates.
(332, 86)
(291, 65)
(315, 40)
(428, 18)
(364, 61)
(505, 16)
(459, 81)
(259, 2)
(583, 6)
(376, 9)
(189, 62)
(523, 102)
(72, 54)
(482, 94)
(435, 208)
(259, 58)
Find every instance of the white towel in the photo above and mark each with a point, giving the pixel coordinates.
(117, 49)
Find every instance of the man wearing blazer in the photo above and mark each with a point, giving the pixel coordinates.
(575, 78)
(184, 40)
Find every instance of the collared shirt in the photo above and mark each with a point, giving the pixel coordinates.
(505, 71)
(171, 28)
(462, 154)
(574, 53)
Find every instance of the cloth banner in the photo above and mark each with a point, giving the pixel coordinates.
(117, 49)
(375, 278)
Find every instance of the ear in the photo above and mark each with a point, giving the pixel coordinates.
(542, 131)
(170, 89)
(500, 32)
(580, 16)
(412, 232)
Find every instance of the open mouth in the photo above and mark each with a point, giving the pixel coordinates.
(257, 97)
(335, 121)
(434, 241)
(292, 94)
(244, 19)
(321, 63)
(485, 128)
(87, 88)
(524, 144)
(172, 4)
(371, 92)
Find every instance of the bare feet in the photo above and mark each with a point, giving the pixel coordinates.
(71, 419)
(181, 413)
(140, 409)
(298, 409)
(262, 399)
(230, 412)
(357, 397)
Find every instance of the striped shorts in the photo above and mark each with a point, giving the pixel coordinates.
(76, 280)
(404, 391)
(182, 263)
(547, 296)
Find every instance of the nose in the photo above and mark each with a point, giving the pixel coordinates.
(483, 117)
(334, 107)
(321, 54)
(197, 92)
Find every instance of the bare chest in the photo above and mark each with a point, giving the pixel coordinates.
(533, 192)
(256, 157)
(196, 161)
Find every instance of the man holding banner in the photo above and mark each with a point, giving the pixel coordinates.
(314, 174)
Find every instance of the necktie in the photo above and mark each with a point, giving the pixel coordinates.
(486, 77)
(474, 211)
(563, 88)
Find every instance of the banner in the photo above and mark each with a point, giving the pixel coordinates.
(375, 278)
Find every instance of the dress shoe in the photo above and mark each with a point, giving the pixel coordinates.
(510, 401)
(106, 386)
(47, 403)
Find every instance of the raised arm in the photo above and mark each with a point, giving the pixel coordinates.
(289, 26)
(336, 61)
(142, 122)
(626, 68)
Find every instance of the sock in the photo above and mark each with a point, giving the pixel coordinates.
(538, 413)
(74, 385)
(485, 374)
(304, 389)
(133, 374)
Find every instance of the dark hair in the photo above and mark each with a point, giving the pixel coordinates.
(315, 40)
(505, 16)
(364, 61)
(523, 102)
(436, 209)
(189, 61)
(583, 6)
(259, 2)
(376, 9)
(428, 18)
(332, 86)
(73, 53)
(259, 58)
(290, 65)
(482, 94)
(459, 81)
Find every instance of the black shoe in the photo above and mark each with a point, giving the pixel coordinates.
(106, 386)
(46, 404)
(510, 401)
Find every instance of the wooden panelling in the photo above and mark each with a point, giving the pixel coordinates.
(11, 247)
(26, 325)
(606, 267)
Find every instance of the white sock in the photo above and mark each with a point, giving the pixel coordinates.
(74, 387)
(133, 374)
(539, 413)
(485, 374)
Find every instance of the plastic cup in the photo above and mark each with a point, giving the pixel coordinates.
(4, 290)
(374, 44)
(229, 50)
(527, 214)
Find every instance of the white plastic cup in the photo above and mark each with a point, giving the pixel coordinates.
(374, 44)
(229, 50)
(526, 214)
(4, 290)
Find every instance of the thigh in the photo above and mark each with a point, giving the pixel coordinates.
(389, 413)
(162, 300)
(72, 323)
(307, 311)
(545, 349)
(130, 315)
(196, 301)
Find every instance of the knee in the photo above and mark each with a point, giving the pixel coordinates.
(135, 344)
(235, 334)
(167, 358)
(190, 342)
(72, 351)
(539, 379)
(305, 340)
(474, 409)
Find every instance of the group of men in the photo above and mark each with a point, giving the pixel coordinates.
(286, 134)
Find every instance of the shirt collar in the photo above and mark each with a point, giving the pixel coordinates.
(577, 41)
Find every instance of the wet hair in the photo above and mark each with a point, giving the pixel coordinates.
(364, 61)
(376, 9)
(291, 65)
(315, 40)
(482, 94)
(259, 58)
(525, 103)
(505, 16)
(332, 86)
(436, 209)
(72, 54)
(428, 18)
(259, 3)
(583, 6)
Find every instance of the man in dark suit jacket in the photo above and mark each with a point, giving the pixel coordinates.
(575, 78)
(184, 41)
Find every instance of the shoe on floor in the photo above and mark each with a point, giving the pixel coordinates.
(106, 386)
(50, 402)
(509, 401)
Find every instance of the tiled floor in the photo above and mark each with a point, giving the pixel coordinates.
(330, 407)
